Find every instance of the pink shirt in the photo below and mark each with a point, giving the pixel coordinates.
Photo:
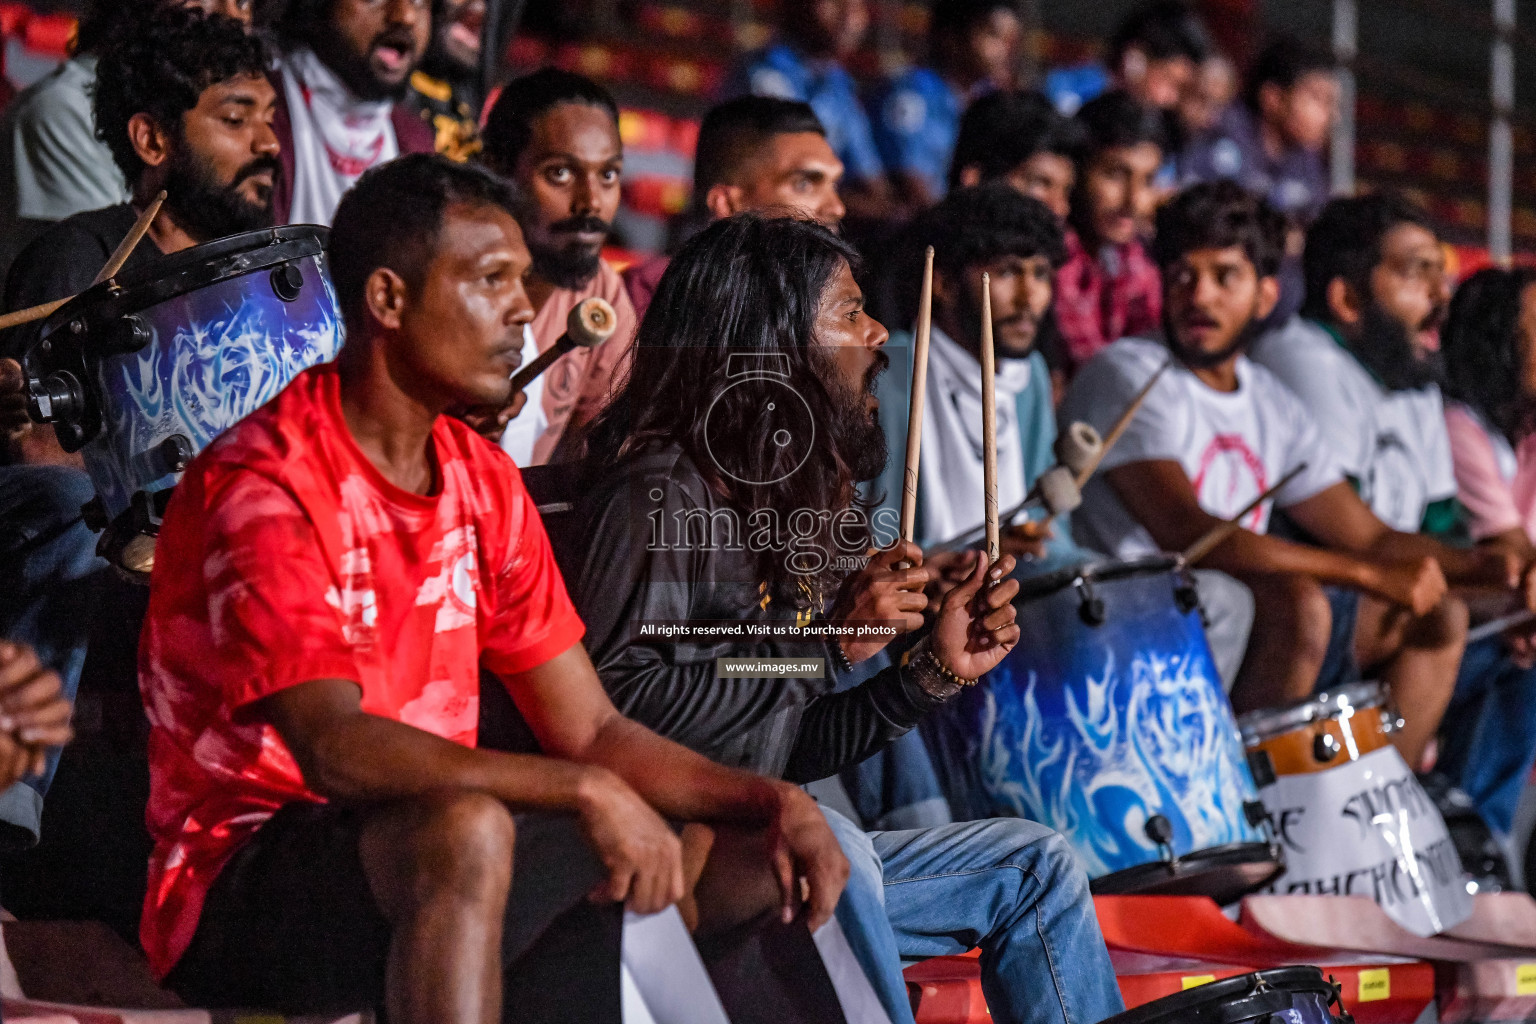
(1494, 482)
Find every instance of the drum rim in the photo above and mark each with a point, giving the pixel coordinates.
(188, 270)
(1267, 723)
(1292, 978)
(1096, 570)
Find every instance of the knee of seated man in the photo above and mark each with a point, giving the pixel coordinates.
(1041, 852)
(1444, 625)
(864, 867)
(461, 843)
(1305, 601)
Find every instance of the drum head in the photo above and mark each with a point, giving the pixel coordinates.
(1258, 726)
(1246, 997)
(1224, 873)
(1098, 571)
(184, 272)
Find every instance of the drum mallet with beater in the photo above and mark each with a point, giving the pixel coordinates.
(590, 324)
(1227, 527)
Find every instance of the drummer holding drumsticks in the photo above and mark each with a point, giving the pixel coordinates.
(1217, 431)
(1017, 241)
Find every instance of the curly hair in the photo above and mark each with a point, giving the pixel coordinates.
(1483, 352)
(972, 226)
(159, 64)
(1220, 215)
(745, 285)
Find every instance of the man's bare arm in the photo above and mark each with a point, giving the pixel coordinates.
(1158, 495)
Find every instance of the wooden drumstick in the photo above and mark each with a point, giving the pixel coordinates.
(1227, 527)
(989, 423)
(113, 265)
(1121, 424)
(591, 323)
(919, 396)
(131, 240)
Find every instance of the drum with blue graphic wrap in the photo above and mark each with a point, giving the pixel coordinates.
(1108, 723)
(140, 373)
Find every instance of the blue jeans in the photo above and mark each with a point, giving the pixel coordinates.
(46, 554)
(1010, 886)
(1488, 735)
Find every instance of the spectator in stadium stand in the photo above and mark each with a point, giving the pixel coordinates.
(1206, 100)
(1019, 137)
(445, 90)
(1489, 349)
(755, 153)
(1217, 430)
(816, 37)
(1153, 55)
(1109, 288)
(1272, 144)
(334, 831)
(343, 84)
(184, 106)
(1362, 359)
(974, 48)
(556, 135)
(51, 163)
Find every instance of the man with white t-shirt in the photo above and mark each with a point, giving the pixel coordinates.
(1360, 358)
(1217, 431)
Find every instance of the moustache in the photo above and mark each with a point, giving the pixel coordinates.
(573, 225)
(262, 164)
(1436, 319)
(882, 363)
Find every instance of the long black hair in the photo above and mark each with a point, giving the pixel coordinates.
(743, 293)
(1482, 349)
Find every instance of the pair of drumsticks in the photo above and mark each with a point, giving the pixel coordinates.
(1090, 464)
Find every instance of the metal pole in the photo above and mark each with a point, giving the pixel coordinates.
(1501, 89)
(1346, 32)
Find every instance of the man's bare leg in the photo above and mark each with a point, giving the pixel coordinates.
(1288, 642)
(440, 868)
(1417, 657)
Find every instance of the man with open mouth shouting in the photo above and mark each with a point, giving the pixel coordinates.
(344, 76)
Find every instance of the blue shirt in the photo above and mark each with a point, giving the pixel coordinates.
(1295, 183)
(916, 121)
(784, 72)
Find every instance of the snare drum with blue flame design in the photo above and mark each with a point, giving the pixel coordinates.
(141, 372)
(1108, 723)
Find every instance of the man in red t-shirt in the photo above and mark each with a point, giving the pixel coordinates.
(333, 575)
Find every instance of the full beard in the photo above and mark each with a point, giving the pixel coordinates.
(206, 208)
(1385, 347)
(856, 432)
(565, 266)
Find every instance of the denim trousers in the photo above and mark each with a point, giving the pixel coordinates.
(1488, 735)
(46, 554)
(1010, 886)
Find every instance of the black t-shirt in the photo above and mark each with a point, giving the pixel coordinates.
(63, 260)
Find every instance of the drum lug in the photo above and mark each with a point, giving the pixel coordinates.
(1090, 608)
(1261, 768)
(94, 514)
(287, 282)
(174, 453)
(57, 398)
(1325, 748)
(125, 336)
(1186, 596)
(1160, 831)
